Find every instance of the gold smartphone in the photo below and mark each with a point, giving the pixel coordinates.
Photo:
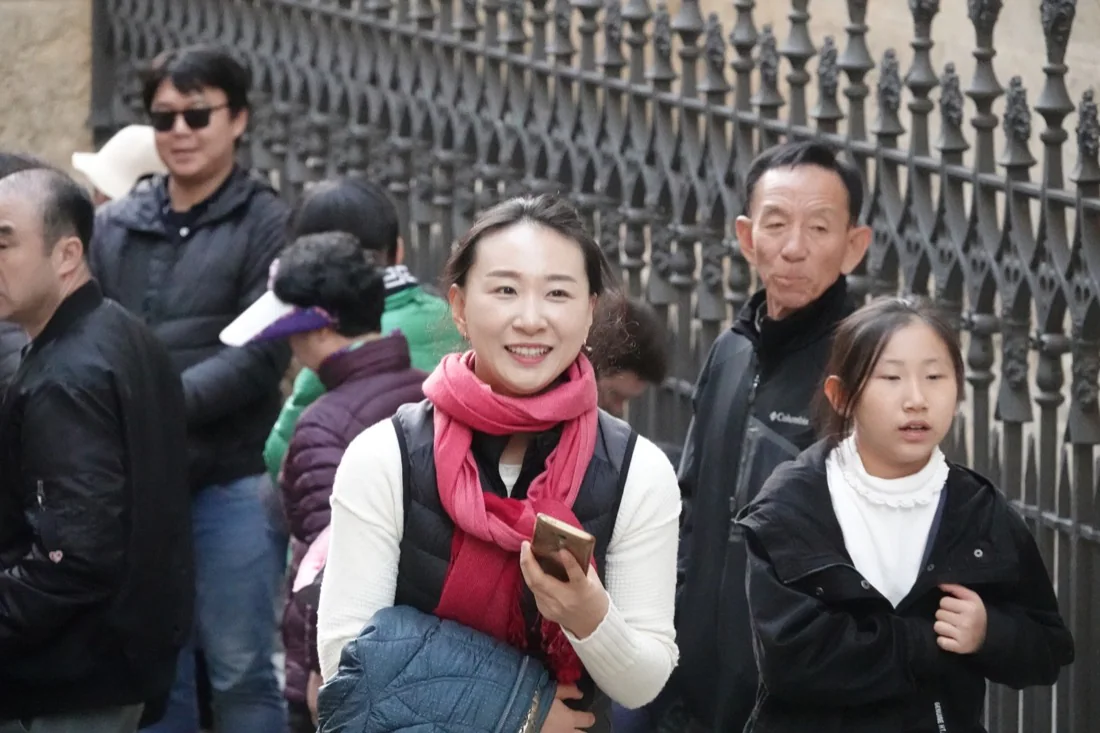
(551, 536)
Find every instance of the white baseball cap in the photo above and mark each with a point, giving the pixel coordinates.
(128, 156)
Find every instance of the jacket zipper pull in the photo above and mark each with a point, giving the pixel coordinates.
(41, 494)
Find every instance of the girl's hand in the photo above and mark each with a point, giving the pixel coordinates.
(564, 719)
(961, 620)
(579, 606)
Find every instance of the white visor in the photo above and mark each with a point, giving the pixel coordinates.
(259, 316)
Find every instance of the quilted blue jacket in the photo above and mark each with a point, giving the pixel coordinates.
(410, 671)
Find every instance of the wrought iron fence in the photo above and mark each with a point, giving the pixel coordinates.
(649, 127)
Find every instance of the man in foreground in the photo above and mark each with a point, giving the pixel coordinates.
(95, 549)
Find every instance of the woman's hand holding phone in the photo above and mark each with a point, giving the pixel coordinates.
(578, 605)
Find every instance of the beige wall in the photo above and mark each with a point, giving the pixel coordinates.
(45, 77)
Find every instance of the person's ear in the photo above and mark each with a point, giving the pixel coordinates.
(68, 255)
(859, 239)
(834, 392)
(238, 123)
(457, 298)
(743, 229)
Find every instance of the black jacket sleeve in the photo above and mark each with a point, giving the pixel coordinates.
(688, 472)
(236, 377)
(12, 341)
(73, 459)
(1026, 641)
(810, 654)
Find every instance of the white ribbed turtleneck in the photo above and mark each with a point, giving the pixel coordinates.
(885, 521)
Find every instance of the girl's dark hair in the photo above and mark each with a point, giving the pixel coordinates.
(359, 208)
(858, 344)
(556, 214)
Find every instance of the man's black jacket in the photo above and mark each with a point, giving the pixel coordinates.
(188, 276)
(752, 412)
(12, 340)
(95, 528)
(834, 653)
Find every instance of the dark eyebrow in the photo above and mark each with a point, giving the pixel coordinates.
(516, 276)
(899, 362)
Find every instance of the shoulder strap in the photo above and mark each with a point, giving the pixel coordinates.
(619, 441)
(414, 428)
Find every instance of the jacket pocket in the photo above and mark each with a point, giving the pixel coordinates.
(46, 523)
(762, 451)
(836, 584)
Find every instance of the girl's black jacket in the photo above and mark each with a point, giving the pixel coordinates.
(834, 655)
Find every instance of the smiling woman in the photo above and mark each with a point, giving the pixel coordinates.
(435, 509)
(523, 289)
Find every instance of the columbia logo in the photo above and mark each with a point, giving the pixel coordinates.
(790, 419)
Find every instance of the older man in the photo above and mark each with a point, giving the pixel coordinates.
(95, 544)
(12, 337)
(801, 232)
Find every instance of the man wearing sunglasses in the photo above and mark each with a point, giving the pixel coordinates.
(188, 254)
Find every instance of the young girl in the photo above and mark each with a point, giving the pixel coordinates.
(433, 509)
(887, 584)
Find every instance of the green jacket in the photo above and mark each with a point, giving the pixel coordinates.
(425, 321)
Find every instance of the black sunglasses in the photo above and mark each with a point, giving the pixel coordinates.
(195, 118)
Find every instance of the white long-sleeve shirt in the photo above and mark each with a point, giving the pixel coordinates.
(630, 655)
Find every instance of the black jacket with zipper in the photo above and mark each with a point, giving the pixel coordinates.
(188, 276)
(752, 413)
(835, 655)
(96, 577)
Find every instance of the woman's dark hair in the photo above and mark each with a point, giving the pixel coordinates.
(193, 67)
(359, 208)
(331, 271)
(858, 344)
(555, 214)
(546, 211)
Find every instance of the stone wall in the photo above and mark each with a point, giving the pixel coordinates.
(45, 77)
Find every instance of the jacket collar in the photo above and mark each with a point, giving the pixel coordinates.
(143, 210)
(78, 304)
(387, 354)
(815, 321)
(794, 520)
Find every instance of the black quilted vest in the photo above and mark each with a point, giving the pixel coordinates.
(426, 540)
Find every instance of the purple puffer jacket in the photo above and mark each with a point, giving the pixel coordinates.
(364, 386)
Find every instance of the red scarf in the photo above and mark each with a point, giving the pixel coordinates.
(483, 587)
